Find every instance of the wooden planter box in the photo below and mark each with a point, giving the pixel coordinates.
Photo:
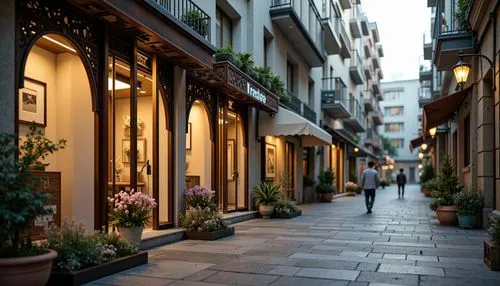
(288, 216)
(99, 271)
(492, 255)
(350, 194)
(210, 235)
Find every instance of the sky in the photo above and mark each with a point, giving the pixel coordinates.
(401, 25)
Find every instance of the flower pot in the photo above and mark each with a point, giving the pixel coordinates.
(132, 234)
(466, 221)
(427, 192)
(266, 211)
(492, 255)
(326, 197)
(29, 270)
(447, 215)
(214, 235)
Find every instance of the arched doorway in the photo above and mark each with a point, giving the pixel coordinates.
(58, 96)
(199, 165)
(236, 196)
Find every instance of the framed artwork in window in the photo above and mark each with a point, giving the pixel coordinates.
(141, 150)
(270, 157)
(33, 102)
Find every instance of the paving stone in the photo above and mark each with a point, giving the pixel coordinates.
(193, 283)
(192, 257)
(267, 260)
(389, 278)
(328, 273)
(132, 280)
(394, 256)
(243, 267)
(354, 253)
(460, 259)
(287, 281)
(356, 283)
(472, 273)
(375, 255)
(449, 281)
(422, 258)
(345, 265)
(284, 270)
(169, 269)
(242, 278)
(445, 265)
(406, 269)
(364, 266)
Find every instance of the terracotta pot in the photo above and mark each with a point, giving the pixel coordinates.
(266, 211)
(132, 234)
(326, 197)
(447, 215)
(427, 191)
(492, 255)
(30, 270)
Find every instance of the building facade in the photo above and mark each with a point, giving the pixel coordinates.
(400, 124)
(121, 78)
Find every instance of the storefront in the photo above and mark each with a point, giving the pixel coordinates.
(104, 82)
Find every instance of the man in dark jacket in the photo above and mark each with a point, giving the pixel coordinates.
(401, 180)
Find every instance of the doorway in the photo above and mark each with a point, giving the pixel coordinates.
(236, 163)
(412, 175)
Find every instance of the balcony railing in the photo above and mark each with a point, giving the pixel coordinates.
(189, 13)
(309, 17)
(334, 99)
(343, 33)
(308, 113)
(356, 110)
(356, 68)
(424, 93)
(338, 86)
(294, 104)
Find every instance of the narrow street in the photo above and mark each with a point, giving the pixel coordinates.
(330, 244)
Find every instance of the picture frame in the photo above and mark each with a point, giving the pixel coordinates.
(189, 136)
(231, 158)
(141, 150)
(33, 102)
(270, 161)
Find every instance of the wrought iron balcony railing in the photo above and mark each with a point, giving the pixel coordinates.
(308, 113)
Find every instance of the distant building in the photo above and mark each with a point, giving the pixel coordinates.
(400, 109)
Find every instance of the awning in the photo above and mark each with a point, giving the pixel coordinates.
(288, 123)
(441, 110)
(341, 136)
(414, 143)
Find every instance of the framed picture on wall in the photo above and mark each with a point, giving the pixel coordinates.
(188, 137)
(141, 150)
(33, 102)
(231, 155)
(270, 157)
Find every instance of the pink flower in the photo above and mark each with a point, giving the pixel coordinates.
(126, 211)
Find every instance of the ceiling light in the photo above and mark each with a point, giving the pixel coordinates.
(59, 44)
(118, 84)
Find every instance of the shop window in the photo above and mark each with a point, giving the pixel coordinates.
(236, 162)
(289, 172)
(397, 142)
(466, 141)
(198, 147)
(306, 161)
(224, 30)
(394, 127)
(394, 111)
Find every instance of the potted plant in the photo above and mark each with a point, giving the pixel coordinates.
(246, 63)
(266, 195)
(203, 220)
(427, 175)
(196, 20)
(428, 186)
(447, 186)
(286, 209)
(226, 54)
(130, 212)
(264, 76)
(470, 204)
(351, 188)
(21, 261)
(308, 182)
(384, 183)
(325, 188)
(492, 246)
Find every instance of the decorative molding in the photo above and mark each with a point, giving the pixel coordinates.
(196, 90)
(120, 48)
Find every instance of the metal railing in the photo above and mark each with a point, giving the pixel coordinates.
(445, 21)
(334, 91)
(189, 13)
(343, 33)
(427, 38)
(356, 60)
(328, 13)
(294, 104)
(356, 110)
(424, 93)
(308, 113)
(425, 65)
(309, 17)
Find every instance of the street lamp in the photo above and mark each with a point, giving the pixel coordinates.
(423, 146)
(356, 149)
(419, 166)
(461, 71)
(420, 155)
(432, 132)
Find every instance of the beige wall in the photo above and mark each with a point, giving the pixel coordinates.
(199, 157)
(69, 116)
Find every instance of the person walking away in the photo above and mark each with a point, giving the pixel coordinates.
(370, 182)
(401, 181)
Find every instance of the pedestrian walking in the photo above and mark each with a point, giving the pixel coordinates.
(370, 182)
(401, 181)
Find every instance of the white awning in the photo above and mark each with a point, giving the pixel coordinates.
(288, 123)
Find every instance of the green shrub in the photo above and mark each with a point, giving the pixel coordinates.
(202, 220)
(309, 181)
(427, 173)
(384, 183)
(284, 207)
(266, 193)
(326, 179)
(227, 54)
(447, 185)
(469, 202)
(495, 229)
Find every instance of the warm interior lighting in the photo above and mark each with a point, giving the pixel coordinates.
(423, 146)
(461, 72)
(143, 92)
(433, 131)
(356, 149)
(333, 146)
(420, 155)
(391, 166)
(420, 166)
(118, 84)
(59, 44)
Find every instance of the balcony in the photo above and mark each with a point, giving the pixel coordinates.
(334, 98)
(450, 38)
(425, 73)
(373, 27)
(376, 89)
(380, 74)
(380, 50)
(345, 4)
(295, 104)
(355, 23)
(373, 139)
(308, 113)
(431, 3)
(376, 61)
(364, 25)
(301, 24)
(332, 29)
(355, 68)
(369, 102)
(424, 96)
(368, 70)
(357, 120)
(377, 117)
(427, 40)
(345, 51)
(367, 48)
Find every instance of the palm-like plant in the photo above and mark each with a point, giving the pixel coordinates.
(266, 193)
(246, 63)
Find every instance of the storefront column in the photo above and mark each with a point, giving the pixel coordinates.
(7, 69)
(179, 162)
(254, 154)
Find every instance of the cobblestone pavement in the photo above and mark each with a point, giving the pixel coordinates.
(330, 244)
